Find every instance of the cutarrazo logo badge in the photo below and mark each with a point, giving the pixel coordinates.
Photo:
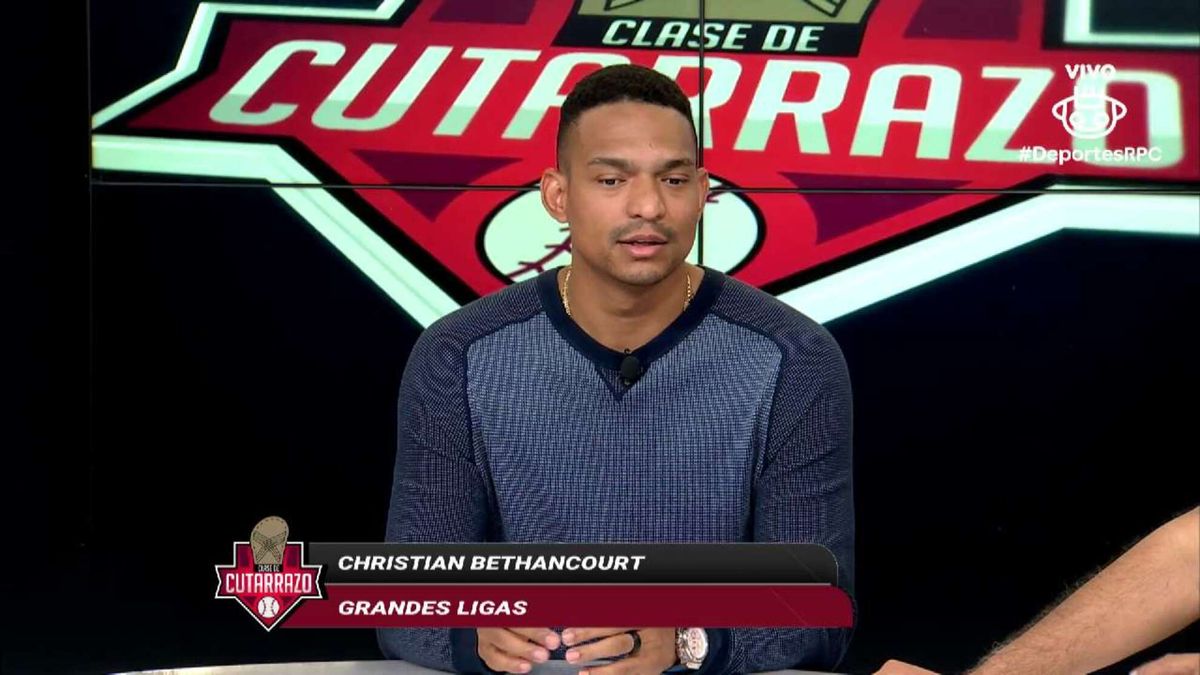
(268, 577)
(1089, 112)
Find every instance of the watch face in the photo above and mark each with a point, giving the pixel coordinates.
(696, 642)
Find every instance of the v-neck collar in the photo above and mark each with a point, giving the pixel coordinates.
(605, 357)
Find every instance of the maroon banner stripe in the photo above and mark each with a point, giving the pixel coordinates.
(548, 605)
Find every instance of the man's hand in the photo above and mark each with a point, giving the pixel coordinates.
(656, 653)
(1171, 664)
(515, 650)
(894, 667)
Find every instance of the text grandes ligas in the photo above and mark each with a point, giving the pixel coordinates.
(431, 608)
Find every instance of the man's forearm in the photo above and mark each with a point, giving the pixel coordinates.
(750, 650)
(429, 647)
(1147, 594)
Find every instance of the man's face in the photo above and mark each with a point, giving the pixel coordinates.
(630, 189)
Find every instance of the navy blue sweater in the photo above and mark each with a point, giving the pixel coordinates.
(515, 426)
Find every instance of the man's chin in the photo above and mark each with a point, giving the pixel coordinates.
(642, 273)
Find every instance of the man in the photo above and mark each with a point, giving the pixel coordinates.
(630, 397)
(1144, 596)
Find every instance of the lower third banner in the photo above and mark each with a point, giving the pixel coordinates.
(513, 605)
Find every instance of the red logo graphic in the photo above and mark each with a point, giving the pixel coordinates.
(268, 577)
(918, 104)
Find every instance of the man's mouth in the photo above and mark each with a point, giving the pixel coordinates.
(643, 246)
(643, 239)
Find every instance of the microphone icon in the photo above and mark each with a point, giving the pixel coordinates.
(631, 370)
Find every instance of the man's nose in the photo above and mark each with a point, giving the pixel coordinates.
(645, 199)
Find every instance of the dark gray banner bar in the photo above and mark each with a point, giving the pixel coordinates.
(757, 563)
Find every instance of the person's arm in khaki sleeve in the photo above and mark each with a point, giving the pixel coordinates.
(1149, 593)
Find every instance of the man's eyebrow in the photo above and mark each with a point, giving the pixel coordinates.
(679, 163)
(627, 166)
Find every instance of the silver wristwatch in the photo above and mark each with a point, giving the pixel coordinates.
(691, 646)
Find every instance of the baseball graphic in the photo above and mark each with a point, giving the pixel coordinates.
(521, 239)
(268, 607)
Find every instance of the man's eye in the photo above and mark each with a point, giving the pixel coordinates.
(676, 180)
(608, 182)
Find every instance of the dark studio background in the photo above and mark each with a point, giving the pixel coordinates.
(1018, 424)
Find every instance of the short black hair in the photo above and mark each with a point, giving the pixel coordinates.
(617, 83)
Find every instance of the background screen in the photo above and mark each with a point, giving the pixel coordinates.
(282, 197)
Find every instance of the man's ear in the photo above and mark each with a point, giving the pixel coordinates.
(702, 178)
(554, 194)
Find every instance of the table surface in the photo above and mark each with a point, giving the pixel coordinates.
(367, 668)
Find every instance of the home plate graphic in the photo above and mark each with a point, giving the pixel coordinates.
(860, 148)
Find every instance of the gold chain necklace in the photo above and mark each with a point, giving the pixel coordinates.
(687, 300)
